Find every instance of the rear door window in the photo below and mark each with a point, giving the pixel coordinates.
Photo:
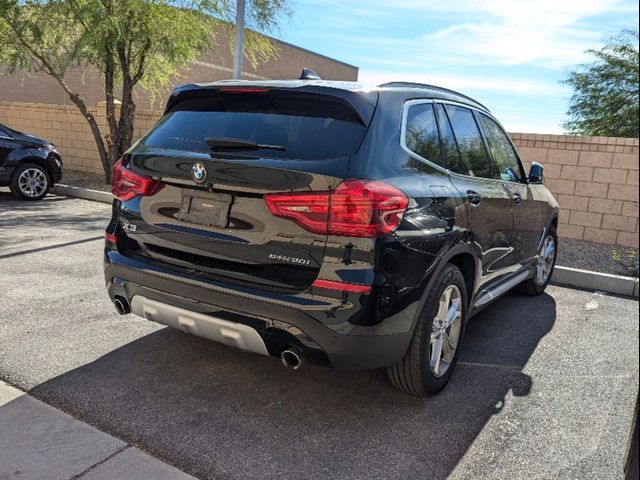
(474, 159)
(306, 126)
(451, 154)
(506, 165)
(421, 133)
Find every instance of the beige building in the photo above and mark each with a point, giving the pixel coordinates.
(216, 66)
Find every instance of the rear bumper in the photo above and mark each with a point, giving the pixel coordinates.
(316, 323)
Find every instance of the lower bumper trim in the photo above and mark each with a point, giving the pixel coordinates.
(223, 331)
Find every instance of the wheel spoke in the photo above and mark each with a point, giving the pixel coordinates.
(442, 311)
(448, 349)
(454, 312)
(436, 355)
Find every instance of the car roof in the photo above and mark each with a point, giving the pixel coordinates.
(408, 88)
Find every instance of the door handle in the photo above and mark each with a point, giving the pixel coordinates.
(474, 198)
(517, 199)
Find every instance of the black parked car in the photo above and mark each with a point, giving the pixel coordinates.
(328, 223)
(29, 166)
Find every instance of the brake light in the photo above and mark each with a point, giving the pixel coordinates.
(110, 238)
(244, 90)
(356, 208)
(126, 184)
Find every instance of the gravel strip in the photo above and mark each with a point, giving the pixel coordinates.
(76, 178)
(595, 257)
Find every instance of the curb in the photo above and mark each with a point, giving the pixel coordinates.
(85, 193)
(616, 284)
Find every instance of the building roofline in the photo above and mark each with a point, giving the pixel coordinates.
(297, 47)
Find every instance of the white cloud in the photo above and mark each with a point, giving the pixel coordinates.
(548, 33)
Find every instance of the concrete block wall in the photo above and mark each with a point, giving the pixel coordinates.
(63, 126)
(595, 180)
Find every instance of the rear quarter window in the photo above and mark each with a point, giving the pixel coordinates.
(421, 132)
(307, 126)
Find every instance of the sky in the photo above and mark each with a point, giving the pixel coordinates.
(509, 55)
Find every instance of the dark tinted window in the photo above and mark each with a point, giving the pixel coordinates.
(421, 134)
(470, 144)
(307, 126)
(505, 161)
(451, 154)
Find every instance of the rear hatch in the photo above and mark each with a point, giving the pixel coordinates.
(215, 155)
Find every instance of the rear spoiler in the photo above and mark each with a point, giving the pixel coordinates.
(363, 102)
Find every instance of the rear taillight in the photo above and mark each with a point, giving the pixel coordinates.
(356, 208)
(110, 238)
(126, 184)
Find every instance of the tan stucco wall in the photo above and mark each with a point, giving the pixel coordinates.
(595, 179)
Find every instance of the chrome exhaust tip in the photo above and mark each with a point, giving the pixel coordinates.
(122, 306)
(292, 357)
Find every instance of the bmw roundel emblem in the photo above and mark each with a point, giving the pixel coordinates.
(198, 172)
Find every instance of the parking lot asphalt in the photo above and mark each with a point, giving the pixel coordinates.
(545, 387)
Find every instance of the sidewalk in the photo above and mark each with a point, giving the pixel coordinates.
(39, 442)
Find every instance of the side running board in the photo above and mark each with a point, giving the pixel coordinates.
(487, 296)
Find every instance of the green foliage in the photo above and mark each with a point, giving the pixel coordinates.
(605, 98)
(132, 43)
(628, 260)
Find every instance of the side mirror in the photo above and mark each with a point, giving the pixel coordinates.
(536, 173)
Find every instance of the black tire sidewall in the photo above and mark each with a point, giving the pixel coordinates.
(15, 188)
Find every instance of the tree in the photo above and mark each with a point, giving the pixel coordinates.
(132, 43)
(605, 92)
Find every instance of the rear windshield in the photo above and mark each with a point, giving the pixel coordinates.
(307, 126)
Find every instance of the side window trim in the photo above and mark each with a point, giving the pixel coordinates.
(443, 103)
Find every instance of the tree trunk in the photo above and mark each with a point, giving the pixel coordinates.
(127, 117)
(93, 124)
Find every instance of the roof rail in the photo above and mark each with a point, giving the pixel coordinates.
(432, 87)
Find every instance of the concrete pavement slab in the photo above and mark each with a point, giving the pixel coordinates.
(39, 442)
(134, 464)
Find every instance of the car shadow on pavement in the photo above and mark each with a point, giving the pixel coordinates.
(220, 413)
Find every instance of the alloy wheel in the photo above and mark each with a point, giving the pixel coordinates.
(33, 182)
(546, 260)
(446, 331)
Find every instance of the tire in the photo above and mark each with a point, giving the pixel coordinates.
(415, 374)
(536, 286)
(30, 182)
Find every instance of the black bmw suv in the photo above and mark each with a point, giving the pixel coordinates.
(327, 223)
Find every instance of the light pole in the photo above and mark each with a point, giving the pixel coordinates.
(237, 59)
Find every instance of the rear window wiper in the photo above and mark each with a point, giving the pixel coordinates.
(218, 144)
